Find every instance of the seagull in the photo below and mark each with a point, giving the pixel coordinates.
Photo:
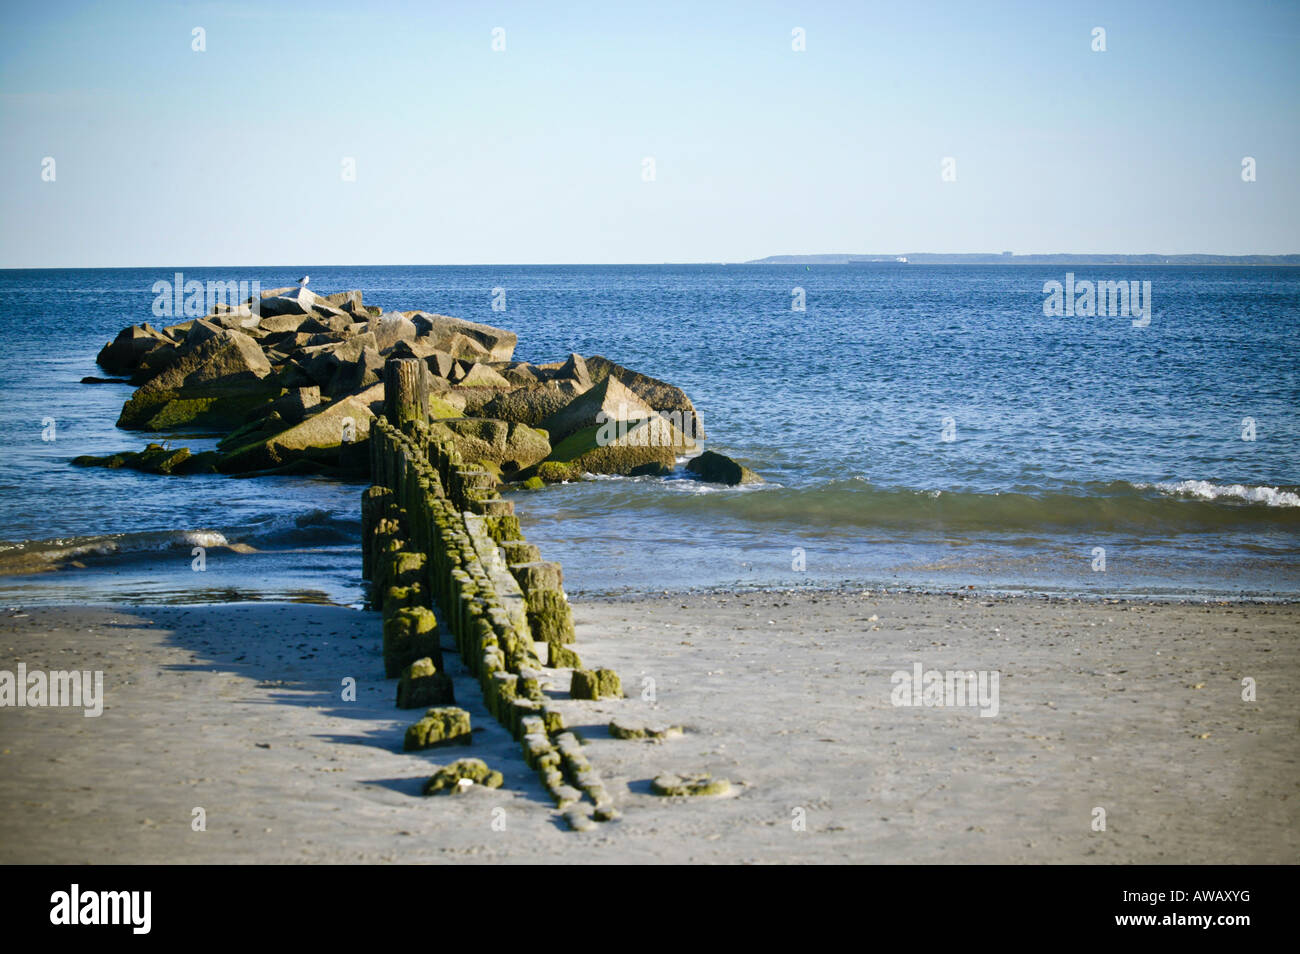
(303, 281)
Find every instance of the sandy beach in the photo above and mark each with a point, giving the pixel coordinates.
(1134, 708)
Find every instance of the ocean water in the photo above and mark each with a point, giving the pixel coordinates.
(918, 427)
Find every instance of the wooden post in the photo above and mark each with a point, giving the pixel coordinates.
(406, 395)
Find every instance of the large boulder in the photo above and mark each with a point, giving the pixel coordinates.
(199, 331)
(575, 369)
(720, 469)
(610, 400)
(155, 361)
(276, 324)
(465, 339)
(421, 348)
(153, 410)
(354, 376)
(625, 448)
(177, 332)
(481, 376)
(288, 301)
(213, 357)
(509, 446)
(521, 374)
(215, 378)
(441, 365)
(322, 362)
(348, 301)
(122, 355)
(529, 405)
(668, 400)
(237, 317)
(317, 439)
(293, 406)
(390, 328)
(327, 321)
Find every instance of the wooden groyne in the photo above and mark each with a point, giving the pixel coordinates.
(437, 533)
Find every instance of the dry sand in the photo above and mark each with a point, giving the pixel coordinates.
(1134, 708)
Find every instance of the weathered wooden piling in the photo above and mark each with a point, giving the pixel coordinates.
(436, 530)
(406, 391)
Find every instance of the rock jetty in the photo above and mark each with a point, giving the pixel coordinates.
(293, 380)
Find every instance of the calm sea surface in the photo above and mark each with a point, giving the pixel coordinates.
(918, 426)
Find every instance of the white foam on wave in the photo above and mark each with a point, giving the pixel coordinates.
(1206, 490)
(199, 538)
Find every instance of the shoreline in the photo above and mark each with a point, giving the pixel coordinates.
(104, 567)
(1125, 705)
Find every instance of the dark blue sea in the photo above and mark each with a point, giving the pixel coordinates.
(919, 427)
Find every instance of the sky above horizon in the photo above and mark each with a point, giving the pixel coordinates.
(238, 155)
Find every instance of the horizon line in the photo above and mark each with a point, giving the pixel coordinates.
(886, 259)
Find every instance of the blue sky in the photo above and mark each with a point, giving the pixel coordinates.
(233, 156)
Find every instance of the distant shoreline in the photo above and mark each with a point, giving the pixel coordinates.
(932, 258)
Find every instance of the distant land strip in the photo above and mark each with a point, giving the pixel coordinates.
(1007, 258)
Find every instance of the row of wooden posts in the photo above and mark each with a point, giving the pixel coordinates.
(437, 533)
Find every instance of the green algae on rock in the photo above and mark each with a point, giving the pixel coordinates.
(443, 725)
(700, 783)
(562, 657)
(615, 447)
(550, 618)
(421, 685)
(461, 775)
(410, 634)
(595, 684)
(624, 729)
(155, 459)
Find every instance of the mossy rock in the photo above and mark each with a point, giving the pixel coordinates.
(149, 410)
(508, 445)
(410, 633)
(154, 459)
(444, 725)
(719, 469)
(697, 784)
(422, 686)
(562, 657)
(438, 408)
(595, 684)
(448, 779)
(595, 450)
(555, 472)
(622, 729)
(534, 483)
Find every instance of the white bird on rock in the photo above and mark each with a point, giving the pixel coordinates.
(303, 281)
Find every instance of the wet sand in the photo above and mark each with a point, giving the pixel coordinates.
(1134, 708)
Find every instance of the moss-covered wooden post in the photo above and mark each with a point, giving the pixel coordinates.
(406, 396)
